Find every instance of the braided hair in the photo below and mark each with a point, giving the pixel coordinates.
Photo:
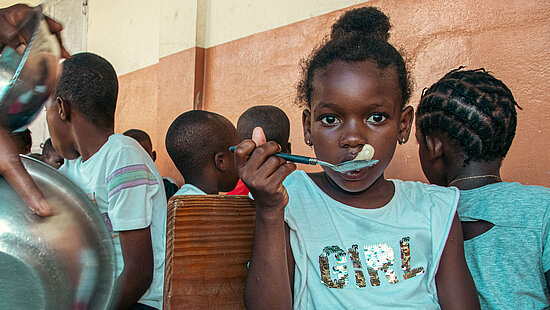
(360, 34)
(475, 110)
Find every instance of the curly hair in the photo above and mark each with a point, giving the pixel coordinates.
(195, 137)
(476, 110)
(90, 83)
(272, 119)
(358, 35)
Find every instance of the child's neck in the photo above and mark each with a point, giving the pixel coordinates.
(376, 196)
(90, 138)
(204, 185)
(475, 174)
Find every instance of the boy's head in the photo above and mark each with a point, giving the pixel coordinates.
(22, 141)
(87, 91)
(273, 121)
(50, 156)
(198, 143)
(142, 138)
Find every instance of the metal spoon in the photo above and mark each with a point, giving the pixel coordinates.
(346, 166)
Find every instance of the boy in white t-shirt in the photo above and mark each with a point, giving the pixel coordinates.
(115, 172)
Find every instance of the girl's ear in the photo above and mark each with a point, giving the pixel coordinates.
(405, 124)
(63, 109)
(435, 148)
(306, 125)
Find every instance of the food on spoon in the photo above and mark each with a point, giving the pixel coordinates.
(367, 153)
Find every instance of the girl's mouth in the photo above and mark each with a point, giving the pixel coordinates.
(354, 175)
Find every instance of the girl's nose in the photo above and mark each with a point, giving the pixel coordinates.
(352, 134)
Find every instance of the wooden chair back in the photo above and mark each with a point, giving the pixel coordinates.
(208, 245)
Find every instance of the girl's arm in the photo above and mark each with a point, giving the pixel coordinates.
(290, 260)
(268, 282)
(455, 286)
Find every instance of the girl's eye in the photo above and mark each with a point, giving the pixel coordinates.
(376, 118)
(330, 120)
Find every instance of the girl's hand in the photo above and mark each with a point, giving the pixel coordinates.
(262, 172)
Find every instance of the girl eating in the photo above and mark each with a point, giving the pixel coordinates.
(333, 240)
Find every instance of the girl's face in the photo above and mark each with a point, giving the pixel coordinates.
(353, 104)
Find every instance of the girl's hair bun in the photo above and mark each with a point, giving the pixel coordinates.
(368, 21)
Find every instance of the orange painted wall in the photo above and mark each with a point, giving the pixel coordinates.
(509, 38)
(151, 98)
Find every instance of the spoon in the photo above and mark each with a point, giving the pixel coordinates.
(346, 166)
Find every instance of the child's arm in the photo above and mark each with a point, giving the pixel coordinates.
(547, 276)
(137, 275)
(268, 284)
(12, 169)
(455, 286)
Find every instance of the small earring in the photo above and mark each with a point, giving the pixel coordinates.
(308, 142)
(402, 141)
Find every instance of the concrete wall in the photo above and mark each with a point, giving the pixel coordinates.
(227, 55)
(233, 66)
(73, 15)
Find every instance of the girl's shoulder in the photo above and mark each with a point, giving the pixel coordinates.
(420, 193)
(296, 177)
(417, 186)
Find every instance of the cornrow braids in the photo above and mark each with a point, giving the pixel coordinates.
(473, 108)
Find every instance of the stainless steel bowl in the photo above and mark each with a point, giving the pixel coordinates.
(61, 262)
(28, 80)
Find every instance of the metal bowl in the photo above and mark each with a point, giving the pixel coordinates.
(28, 80)
(61, 262)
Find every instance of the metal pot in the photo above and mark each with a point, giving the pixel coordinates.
(27, 81)
(61, 262)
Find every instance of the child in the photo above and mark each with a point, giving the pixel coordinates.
(22, 141)
(50, 156)
(115, 172)
(465, 125)
(333, 240)
(276, 127)
(198, 143)
(170, 187)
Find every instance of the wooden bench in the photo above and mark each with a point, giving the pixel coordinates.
(208, 244)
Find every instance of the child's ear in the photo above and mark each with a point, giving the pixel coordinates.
(221, 161)
(306, 125)
(63, 109)
(435, 148)
(405, 124)
(154, 153)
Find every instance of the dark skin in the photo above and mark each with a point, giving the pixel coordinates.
(11, 167)
(219, 174)
(137, 275)
(441, 165)
(22, 146)
(11, 17)
(352, 104)
(263, 174)
(53, 159)
(73, 136)
(148, 147)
